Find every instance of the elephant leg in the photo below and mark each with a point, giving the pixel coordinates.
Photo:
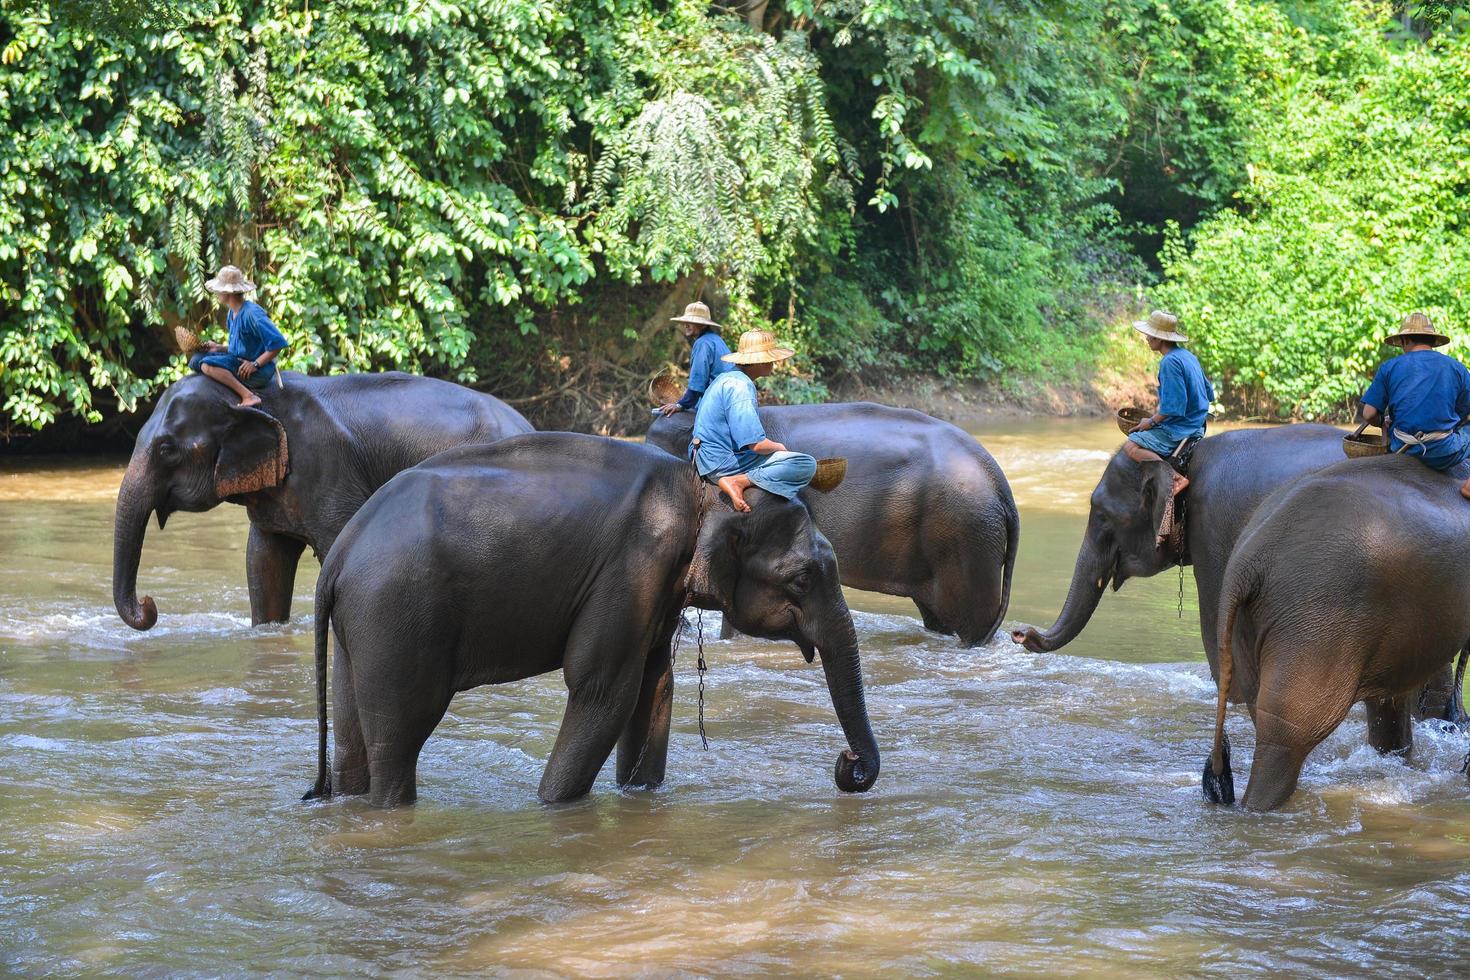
(932, 622)
(350, 775)
(604, 671)
(643, 750)
(1293, 716)
(1441, 697)
(401, 697)
(1390, 726)
(270, 570)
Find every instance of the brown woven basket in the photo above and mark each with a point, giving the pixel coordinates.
(1359, 446)
(829, 474)
(1130, 416)
(187, 340)
(664, 389)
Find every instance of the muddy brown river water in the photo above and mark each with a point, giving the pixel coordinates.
(1036, 814)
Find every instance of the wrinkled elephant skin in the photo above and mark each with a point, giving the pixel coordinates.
(924, 512)
(301, 464)
(491, 564)
(1348, 585)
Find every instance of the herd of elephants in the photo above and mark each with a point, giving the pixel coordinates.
(459, 547)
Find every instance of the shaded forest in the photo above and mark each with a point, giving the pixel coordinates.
(516, 194)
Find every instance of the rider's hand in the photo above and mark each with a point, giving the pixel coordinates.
(246, 369)
(1145, 425)
(669, 409)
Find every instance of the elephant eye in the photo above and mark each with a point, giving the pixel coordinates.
(166, 450)
(800, 582)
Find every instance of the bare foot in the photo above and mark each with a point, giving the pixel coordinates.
(735, 487)
(1180, 482)
(250, 401)
(1465, 489)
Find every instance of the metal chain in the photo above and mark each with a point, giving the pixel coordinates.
(1181, 590)
(699, 640)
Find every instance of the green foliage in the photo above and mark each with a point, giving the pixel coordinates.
(504, 191)
(1355, 214)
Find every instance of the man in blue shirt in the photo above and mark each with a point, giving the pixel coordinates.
(729, 444)
(246, 361)
(1185, 395)
(707, 348)
(1424, 395)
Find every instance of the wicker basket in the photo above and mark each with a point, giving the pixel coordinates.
(1129, 417)
(664, 389)
(187, 340)
(829, 474)
(1359, 446)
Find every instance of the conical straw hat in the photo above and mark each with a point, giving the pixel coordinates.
(1418, 327)
(758, 347)
(696, 313)
(230, 280)
(1163, 325)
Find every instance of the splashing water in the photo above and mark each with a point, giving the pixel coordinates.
(1037, 813)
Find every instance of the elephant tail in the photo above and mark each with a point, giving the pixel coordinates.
(1217, 781)
(1013, 543)
(324, 598)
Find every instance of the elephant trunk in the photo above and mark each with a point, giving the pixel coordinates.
(134, 503)
(1089, 578)
(857, 768)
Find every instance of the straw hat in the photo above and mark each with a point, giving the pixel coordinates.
(758, 347)
(1163, 325)
(230, 280)
(696, 313)
(1417, 326)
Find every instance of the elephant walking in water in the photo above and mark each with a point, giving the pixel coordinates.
(1350, 584)
(491, 564)
(1230, 475)
(925, 512)
(301, 467)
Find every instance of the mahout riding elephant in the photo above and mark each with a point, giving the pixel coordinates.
(302, 465)
(1230, 474)
(924, 512)
(1349, 584)
(491, 564)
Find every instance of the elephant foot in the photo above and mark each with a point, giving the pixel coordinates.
(1219, 787)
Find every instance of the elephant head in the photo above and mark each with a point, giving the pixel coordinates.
(774, 575)
(1128, 508)
(197, 450)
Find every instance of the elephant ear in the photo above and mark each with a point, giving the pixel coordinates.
(253, 454)
(1158, 481)
(715, 567)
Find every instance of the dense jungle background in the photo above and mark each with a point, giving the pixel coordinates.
(516, 194)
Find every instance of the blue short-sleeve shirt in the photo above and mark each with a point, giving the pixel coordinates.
(704, 366)
(252, 334)
(726, 425)
(1422, 390)
(1184, 391)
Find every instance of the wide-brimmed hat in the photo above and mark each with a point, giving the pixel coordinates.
(1163, 325)
(1418, 327)
(758, 347)
(230, 280)
(696, 313)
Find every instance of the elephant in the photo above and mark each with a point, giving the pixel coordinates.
(1230, 475)
(302, 464)
(1349, 584)
(492, 564)
(925, 512)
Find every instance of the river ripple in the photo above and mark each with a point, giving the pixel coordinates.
(1037, 813)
